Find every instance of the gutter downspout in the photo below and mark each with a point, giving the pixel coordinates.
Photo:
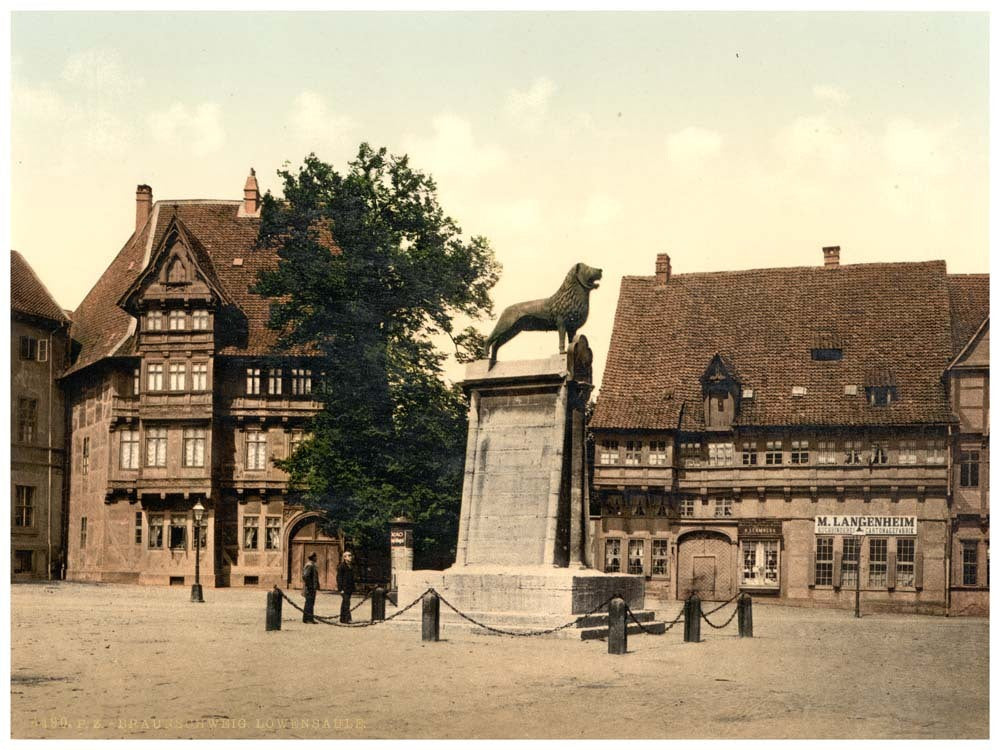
(949, 530)
(48, 514)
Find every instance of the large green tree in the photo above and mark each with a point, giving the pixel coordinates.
(370, 269)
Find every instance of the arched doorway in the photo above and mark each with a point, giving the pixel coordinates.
(305, 536)
(705, 566)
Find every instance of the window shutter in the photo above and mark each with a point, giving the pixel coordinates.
(918, 570)
(812, 567)
(837, 557)
(891, 573)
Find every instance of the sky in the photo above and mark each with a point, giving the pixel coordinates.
(728, 140)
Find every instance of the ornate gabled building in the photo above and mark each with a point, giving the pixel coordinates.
(40, 350)
(797, 433)
(179, 395)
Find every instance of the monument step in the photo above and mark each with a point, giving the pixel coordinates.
(650, 628)
(601, 619)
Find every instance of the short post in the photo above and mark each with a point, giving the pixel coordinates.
(378, 604)
(744, 617)
(692, 619)
(431, 622)
(273, 609)
(617, 627)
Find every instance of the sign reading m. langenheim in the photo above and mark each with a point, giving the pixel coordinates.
(874, 525)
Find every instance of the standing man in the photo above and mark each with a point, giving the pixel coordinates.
(310, 582)
(345, 583)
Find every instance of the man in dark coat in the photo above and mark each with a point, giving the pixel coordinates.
(345, 584)
(310, 583)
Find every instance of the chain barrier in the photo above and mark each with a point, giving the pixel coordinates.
(631, 614)
(522, 633)
(720, 627)
(365, 598)
(716, 609)
(333, 621)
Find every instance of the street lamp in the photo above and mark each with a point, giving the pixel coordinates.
(199, 512)
(859, 536)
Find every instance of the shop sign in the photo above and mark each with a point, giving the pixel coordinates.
(867, 525)
(760, 529)
(397, 537)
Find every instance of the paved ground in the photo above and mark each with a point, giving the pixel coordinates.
(132, 662)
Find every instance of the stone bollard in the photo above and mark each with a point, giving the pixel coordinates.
(431, 622)
(378, 604)
(273, 610)
(692, 619)
(745, 616)
(617, 627)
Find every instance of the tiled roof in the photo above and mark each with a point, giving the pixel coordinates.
(28, 294)
(221, 237)
(970, 306)
(891, 320)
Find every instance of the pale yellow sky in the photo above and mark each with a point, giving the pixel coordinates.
(729, 140)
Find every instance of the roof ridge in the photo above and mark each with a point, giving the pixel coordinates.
(825, 269)
(203, 201)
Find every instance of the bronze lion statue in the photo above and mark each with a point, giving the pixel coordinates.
(565, 311)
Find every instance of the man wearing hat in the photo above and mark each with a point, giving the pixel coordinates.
(345, 583)
(310, 581)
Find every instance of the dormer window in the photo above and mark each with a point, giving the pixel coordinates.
(827, 354)
(881, 395)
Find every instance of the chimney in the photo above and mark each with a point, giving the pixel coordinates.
(143, 205)
(662, 269)
(251, 195)
(831, 255)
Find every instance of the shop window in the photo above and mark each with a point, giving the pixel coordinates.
(905, 561)
(154, 377)
(633, 452)
(970, 563)
(879, 454)
(27, 419)
(720, 454)
(178, 376)
(760, 562)
(612, 555)
(274, 381)
(138, 527)
(156, 446)
(773, 453)
(824, 561)
(852, 452)
(849, 562)
(636, 553)
(251, 526)
(657, 452)
(723, 507)
(935, 452)
(661, 557)
(878, 563)
(199, 376)
(176, 320)
(199, 320)
(83, 532)
(156, 531)
(749, 454)
(24, 506)
(253, 381)
(609, 452)
(178, 532)
(129, 449)
(23, 561)
(969, 468)
(256, 450)
(687, 507)
(194, 446)
(826, 453)
(800, 452)
(272, 530)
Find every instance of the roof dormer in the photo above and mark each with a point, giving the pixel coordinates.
(720, 387)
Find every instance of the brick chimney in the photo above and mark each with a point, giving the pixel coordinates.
(662, 269)
(251, 195)
(143, 205)
(831, 255)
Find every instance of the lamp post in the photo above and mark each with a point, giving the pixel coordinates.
(199, 512)
(859, 536)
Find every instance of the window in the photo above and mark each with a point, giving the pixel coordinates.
(935, 452)
(194, 446)
(905, 558)
(881, 395)
(27, 419)
(156, 531)
(256, 450)
(199, 320)
(301, 382)
(177, 320)
(800, 452)
(633, 452)
(878, 551)
(827, 355)
(824, 561)
(969, 468)
(749, 454)
(85, 461)
(154, 377)
(970, 563)
(826, 453)
(274, 381)
(83, 532)
(138, 527)
(723, 507)
(609, 452)
(24, 506)
(129, 449)
(178, 531)
(720, 454)
(23, 561)
(636, 549)
(907, 452)
(657, 452)
(253, 381)
(178, 377)
(661, 557)
(772, 454)
(760, 562)
(272, 529)
(135, 382)
(29, 347)
(879, 454)
(852, 452)
(199, 376)
(798, 391)
(154, 321)
(612, 555)
(43, 350)
(691, 454)
(295, 440)
(687, 507)
(156, 446)
(250, 528)
(849, 562)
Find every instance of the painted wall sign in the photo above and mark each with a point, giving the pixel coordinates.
(760, 529)
(401, 538)
(867, 525)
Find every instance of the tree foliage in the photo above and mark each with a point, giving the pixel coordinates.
(370, 268)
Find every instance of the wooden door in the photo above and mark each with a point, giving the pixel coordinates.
(705, 566)
(305, 540)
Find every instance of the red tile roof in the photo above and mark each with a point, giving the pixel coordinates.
(970, 306)
(892, 321)
(28, 294)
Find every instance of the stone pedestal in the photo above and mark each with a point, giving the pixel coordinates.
(523, 549)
